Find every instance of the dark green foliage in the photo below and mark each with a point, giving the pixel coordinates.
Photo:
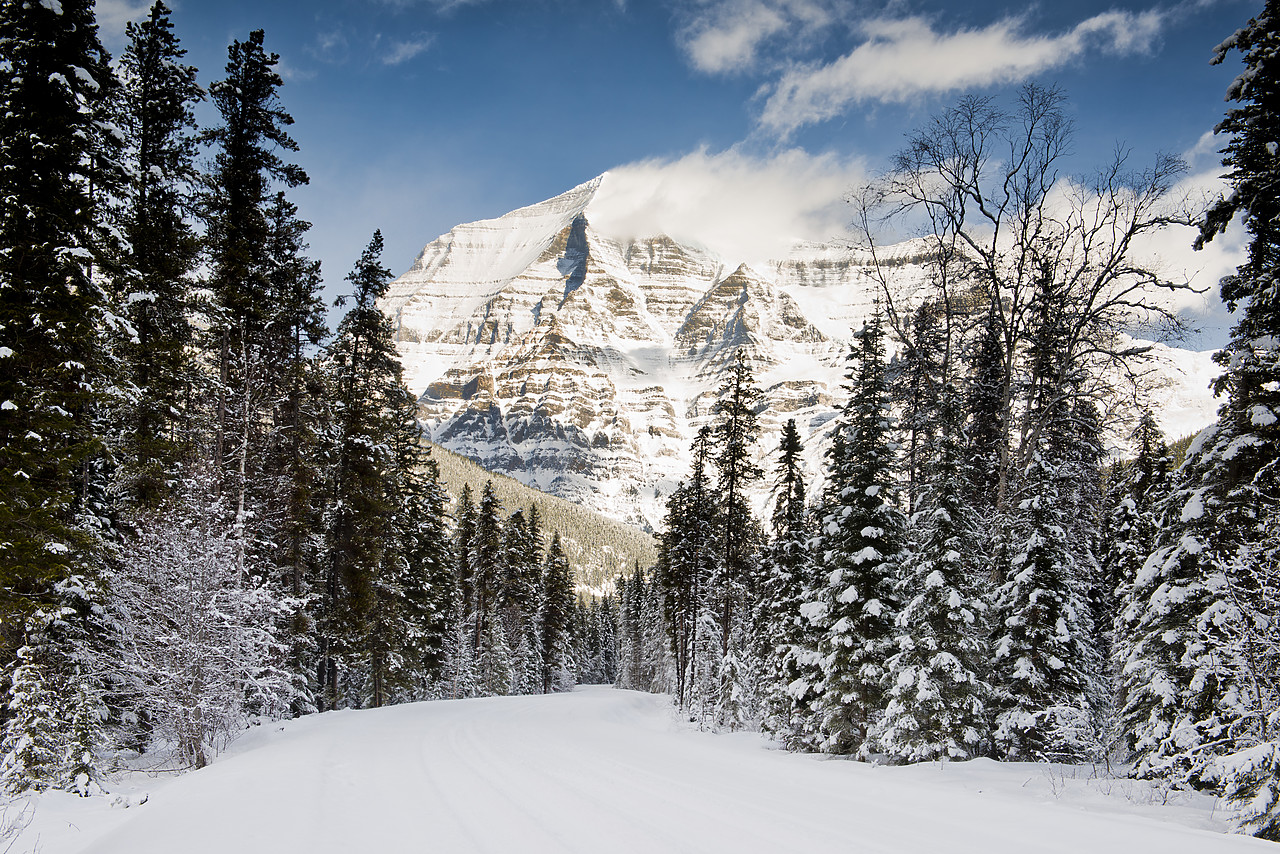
(385, 599)
(555, 616)
(158, 97)
(688, 558)
(54, 80)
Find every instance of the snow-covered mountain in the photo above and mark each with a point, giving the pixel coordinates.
(583, 364)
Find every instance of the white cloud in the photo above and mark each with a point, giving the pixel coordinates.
(745, 208)
(112, 15)
(1171, 250)
(906, 58)
(725, 36)
(403, 51)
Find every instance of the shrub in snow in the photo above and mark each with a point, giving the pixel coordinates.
(197, 631)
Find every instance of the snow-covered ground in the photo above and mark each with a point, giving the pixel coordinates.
(603, 770)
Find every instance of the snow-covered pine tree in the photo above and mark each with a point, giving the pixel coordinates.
(1210, 579)
(54, 369)
(937, 695)
(1131, 536)
(735, 430)
(431, 594)
(860, 544)
(81, 772)
(1039, 655)
(256, 279)
(495, 677)
(555, 615)
(787, 574)
(464, 531)
(31, 753)
(630, 595)
(157, 114)
(1045, 660)
(688, 554)
(1132, 526)
(520, 574)
(374, 465)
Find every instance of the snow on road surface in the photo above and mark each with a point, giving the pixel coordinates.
(605, 770)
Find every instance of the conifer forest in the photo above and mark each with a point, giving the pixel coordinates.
(216, 511)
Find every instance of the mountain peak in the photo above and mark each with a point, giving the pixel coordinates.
(569, 204)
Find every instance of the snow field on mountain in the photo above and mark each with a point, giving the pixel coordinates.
(603, 770)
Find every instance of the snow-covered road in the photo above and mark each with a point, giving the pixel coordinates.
(601, 770)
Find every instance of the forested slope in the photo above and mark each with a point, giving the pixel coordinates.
(598, 548)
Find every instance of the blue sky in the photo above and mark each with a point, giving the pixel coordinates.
(416, 115)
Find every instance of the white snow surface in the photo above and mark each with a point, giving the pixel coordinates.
(603, 770)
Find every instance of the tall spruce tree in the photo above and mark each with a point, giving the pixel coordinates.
(361, 606)
(555, 613)
(1206, 596)
(736, 429)
(937, 695)
(861, 542)
(492, 649)
(788, 574)
(688, 557)
(159, 95)
(237, 208)
(54, 300)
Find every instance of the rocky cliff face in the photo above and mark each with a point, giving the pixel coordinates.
(583, 365)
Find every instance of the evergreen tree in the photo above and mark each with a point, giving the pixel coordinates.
(81, 773)
(291, 460)
(158, 101)
(1132, 533)
(860, 543)
(936, 693)
(247, 233)
(486, 580)
(1040, 644)
(464, 531)
(1175, 671)
(520, 573)
(55, 78)
(688, 557)
(736, 429)
(431, 593)
(788, 573)
(374, 465)
(1202, 605)
(554, 619)
(31, 752)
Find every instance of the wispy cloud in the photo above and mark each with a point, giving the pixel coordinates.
(905, 58)
(402, 51)
(727, 36)
(112, 15)
(745, 207)
(441, 6)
